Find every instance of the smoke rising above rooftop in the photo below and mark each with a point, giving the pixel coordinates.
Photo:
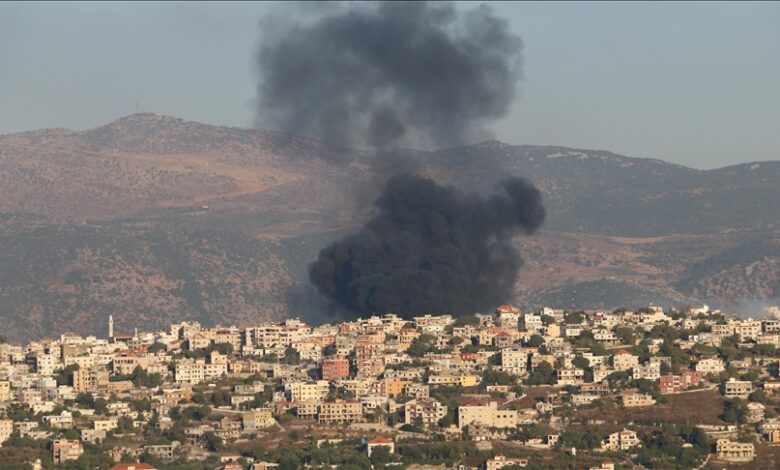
(431, 249)
(394, 74)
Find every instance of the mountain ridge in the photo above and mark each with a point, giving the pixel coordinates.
(156, 219)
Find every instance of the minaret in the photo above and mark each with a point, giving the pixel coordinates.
(110, 326)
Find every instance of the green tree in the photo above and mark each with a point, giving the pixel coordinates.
(535, 341)
(291, 356)
(543, 374)
(65, 376)
(734, 411)
(213, 442)
(381, 455)
(85, 400)
(157, 347)
(581, 362)
(467, 320)
(625, 334)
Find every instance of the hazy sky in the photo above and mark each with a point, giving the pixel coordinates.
(692, 83)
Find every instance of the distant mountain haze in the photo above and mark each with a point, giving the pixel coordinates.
(155, 219)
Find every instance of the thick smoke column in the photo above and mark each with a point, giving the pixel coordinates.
(431, 249)
(385, 75)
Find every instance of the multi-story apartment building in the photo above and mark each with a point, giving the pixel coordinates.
(605, 336)
(64, 420)
(733, 388)
(755, 412)
(648, 371)
(64, 450)
(260, 418)
(677, 383)
(514, 361)
(487, 415)
(532, 322)
(621, 440)
(307, 410)
(726, 329)
(624, 360)
(748, 329)
(340, 411)
(572, 331)
(770, 326)
(90, 379)
(104, 424)
(45, 364)
(165, 452)
(6, 429)
(370, 366)
(5, 390)
(308, 391)
(710, 366)
(734, 451)
(189, 371)
(427, 410)
(508, 316)
(417, 391)
(569, 376)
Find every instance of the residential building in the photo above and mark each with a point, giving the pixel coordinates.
(734, 451)
(499, 461)
(514, 361)
(596, 388)
(340, 411)
(710, 366)
(308, 391)
(335, 369)
(649, 371)
(5, 390)
(6, 429)
(166, 452)
(755, 412)
(677, 383)
(569, 376)
(624, 360)
(621, 440)
(64, 450)
(733, 388)
(486, 415)
(90, 379)
(633, 400)
(257, 419)
(426, 410)
(189, 371)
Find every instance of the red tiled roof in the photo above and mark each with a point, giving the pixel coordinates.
(380, 440)
(131, 466)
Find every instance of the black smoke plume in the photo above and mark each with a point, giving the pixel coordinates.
(386, 74)
(431, 249)
(392, 74)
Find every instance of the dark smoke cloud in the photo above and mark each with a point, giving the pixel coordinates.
(386, 74)
(431, 249)
(393, 74)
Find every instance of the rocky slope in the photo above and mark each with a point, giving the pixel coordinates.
(155, 219)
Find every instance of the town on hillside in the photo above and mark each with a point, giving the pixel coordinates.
(647, 388)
